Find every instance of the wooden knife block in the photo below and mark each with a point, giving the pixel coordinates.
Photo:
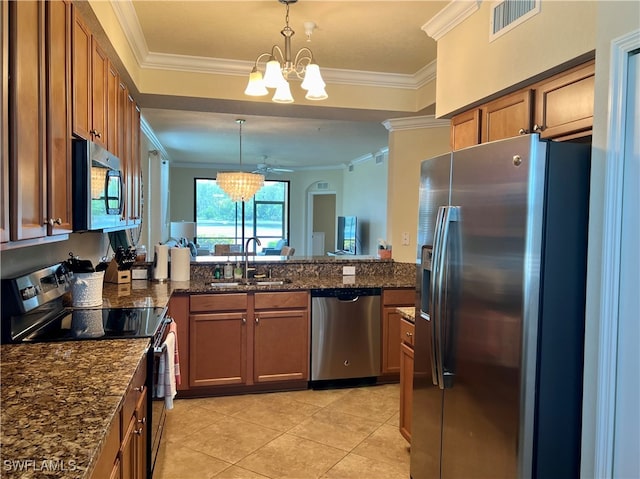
(113, 275)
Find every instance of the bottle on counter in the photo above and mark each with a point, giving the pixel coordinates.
(237, 272)
(228, 271)
(217, 273)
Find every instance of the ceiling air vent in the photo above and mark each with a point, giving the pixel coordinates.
(379, 158)
(508, 14)
(322, 185)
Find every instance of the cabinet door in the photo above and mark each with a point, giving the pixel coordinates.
(28, 191)
(4, 122)
(59, 206)
(133, 171)
(113, 89)
(141, 437)
(217, 349)
(99, 89)
(281, 345)
(466, 129)
(564, 104)
(390, 344)
(81, 78)
(508, 116)
(406, 390)
(128, 449)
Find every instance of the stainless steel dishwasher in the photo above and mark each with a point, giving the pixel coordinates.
(345, 333)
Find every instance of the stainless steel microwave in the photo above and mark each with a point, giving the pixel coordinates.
(98, 188)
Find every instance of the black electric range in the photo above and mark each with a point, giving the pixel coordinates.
(33, 311)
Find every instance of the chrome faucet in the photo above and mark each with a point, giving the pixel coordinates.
(246, 255)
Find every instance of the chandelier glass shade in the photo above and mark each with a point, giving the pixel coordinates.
(280, 66)
(239, 185)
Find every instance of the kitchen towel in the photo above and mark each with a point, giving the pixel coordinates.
(180, 264)
(161, 262)
(166, 372)
(173, 328)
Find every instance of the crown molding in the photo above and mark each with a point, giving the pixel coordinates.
(126, 15)
(450, 17)
(128, 19)
(415, 122)
(146, 129)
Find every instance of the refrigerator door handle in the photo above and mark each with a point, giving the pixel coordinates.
(435, 292)
(446, 215)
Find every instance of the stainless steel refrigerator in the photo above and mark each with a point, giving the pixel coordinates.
(502, 244)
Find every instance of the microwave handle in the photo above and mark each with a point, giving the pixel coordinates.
(122, 195)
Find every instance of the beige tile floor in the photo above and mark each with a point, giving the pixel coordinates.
(330, 434)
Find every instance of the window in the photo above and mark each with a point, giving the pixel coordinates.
(220, 221)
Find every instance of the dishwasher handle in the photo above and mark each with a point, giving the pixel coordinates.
(347, 295)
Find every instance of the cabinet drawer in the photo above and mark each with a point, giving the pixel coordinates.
(284, 299)
(407, 331)
(135, 391)
(398, 297)
(218, 302)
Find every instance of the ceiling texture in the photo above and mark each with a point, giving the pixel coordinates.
(371, 41)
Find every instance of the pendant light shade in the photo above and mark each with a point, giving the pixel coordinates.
(256, 86)
(240, 185)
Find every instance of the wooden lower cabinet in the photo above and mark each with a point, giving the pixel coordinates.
(242, 339)
(218, 349)
(406, 377)
(392, 299)
(124, 454)
(281, 337)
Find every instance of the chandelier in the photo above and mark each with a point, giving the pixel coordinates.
(280, 66)
(240, 185)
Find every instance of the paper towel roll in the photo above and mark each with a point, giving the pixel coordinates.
(180, 264)
(161, 262)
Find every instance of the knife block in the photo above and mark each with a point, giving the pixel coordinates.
(114, 275)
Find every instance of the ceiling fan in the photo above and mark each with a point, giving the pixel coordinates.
(265, 169)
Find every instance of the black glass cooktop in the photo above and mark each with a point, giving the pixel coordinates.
(88, 323)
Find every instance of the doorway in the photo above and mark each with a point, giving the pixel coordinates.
(321, 226)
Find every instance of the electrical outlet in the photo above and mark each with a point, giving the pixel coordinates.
(405, 239)
(348, 270)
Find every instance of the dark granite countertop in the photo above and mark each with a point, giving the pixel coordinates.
(58, 401)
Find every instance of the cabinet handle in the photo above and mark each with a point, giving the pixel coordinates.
(244, 320)
(53, 222)
(96, 133)
(537, 127)
(138, 431)
(522, 131)
(143, 420)
(409, 334)
(257, 319)
(139, 389)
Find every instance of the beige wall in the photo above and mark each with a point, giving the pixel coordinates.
(407, 149)
(365, 196)
(614, 20)
(470, 68)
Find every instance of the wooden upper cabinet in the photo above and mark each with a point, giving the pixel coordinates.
(113, 124)
(82, 97)
(508, 116)
(90, 85)
(59, 194)
(564, 104)
(28, 189)
(4, 122)
(465, 129)
(99, 89)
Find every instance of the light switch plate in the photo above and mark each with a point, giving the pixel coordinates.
(405, 239)
(348, 270)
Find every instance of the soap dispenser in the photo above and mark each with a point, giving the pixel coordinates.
(237, 272)
(228, 271)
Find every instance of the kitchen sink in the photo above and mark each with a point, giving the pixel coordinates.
(250, 282)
